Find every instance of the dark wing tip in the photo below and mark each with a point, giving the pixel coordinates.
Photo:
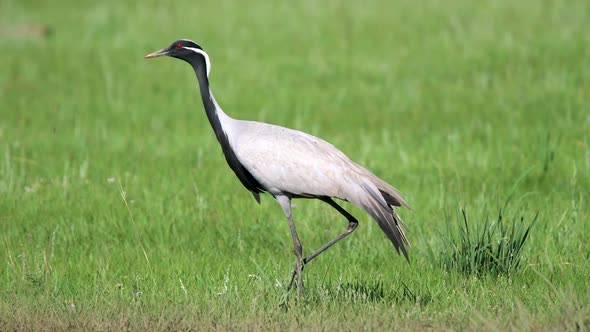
(256, 196)
(390, 224)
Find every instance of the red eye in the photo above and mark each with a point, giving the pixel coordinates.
(178, 46)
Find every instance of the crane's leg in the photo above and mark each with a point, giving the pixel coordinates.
(285, 203)
(352, 224)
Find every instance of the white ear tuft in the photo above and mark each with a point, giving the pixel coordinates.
(207, 62)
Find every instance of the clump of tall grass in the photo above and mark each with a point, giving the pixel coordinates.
(478, 246)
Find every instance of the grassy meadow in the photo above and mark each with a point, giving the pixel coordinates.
(118, 211)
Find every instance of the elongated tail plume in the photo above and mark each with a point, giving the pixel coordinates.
(378, 205)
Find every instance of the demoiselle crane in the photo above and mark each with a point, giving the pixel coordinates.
(289, 164)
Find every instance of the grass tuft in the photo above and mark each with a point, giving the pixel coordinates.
(492, 247)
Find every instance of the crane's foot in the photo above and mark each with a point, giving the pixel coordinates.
(300, 283)
(297, 278)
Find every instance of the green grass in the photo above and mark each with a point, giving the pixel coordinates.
(117, 210)
(485, 245)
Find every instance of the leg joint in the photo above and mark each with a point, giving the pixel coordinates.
(298, 249)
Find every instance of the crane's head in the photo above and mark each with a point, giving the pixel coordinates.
(186, 50)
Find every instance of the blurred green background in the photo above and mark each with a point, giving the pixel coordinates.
(117, 209)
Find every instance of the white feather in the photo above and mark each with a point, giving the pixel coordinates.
(204, 54)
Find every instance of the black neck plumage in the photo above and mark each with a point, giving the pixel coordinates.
(209, 103)
(212, 111)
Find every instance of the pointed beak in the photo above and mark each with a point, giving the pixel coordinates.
(156, 54)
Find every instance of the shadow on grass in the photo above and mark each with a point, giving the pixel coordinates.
(370, 292)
